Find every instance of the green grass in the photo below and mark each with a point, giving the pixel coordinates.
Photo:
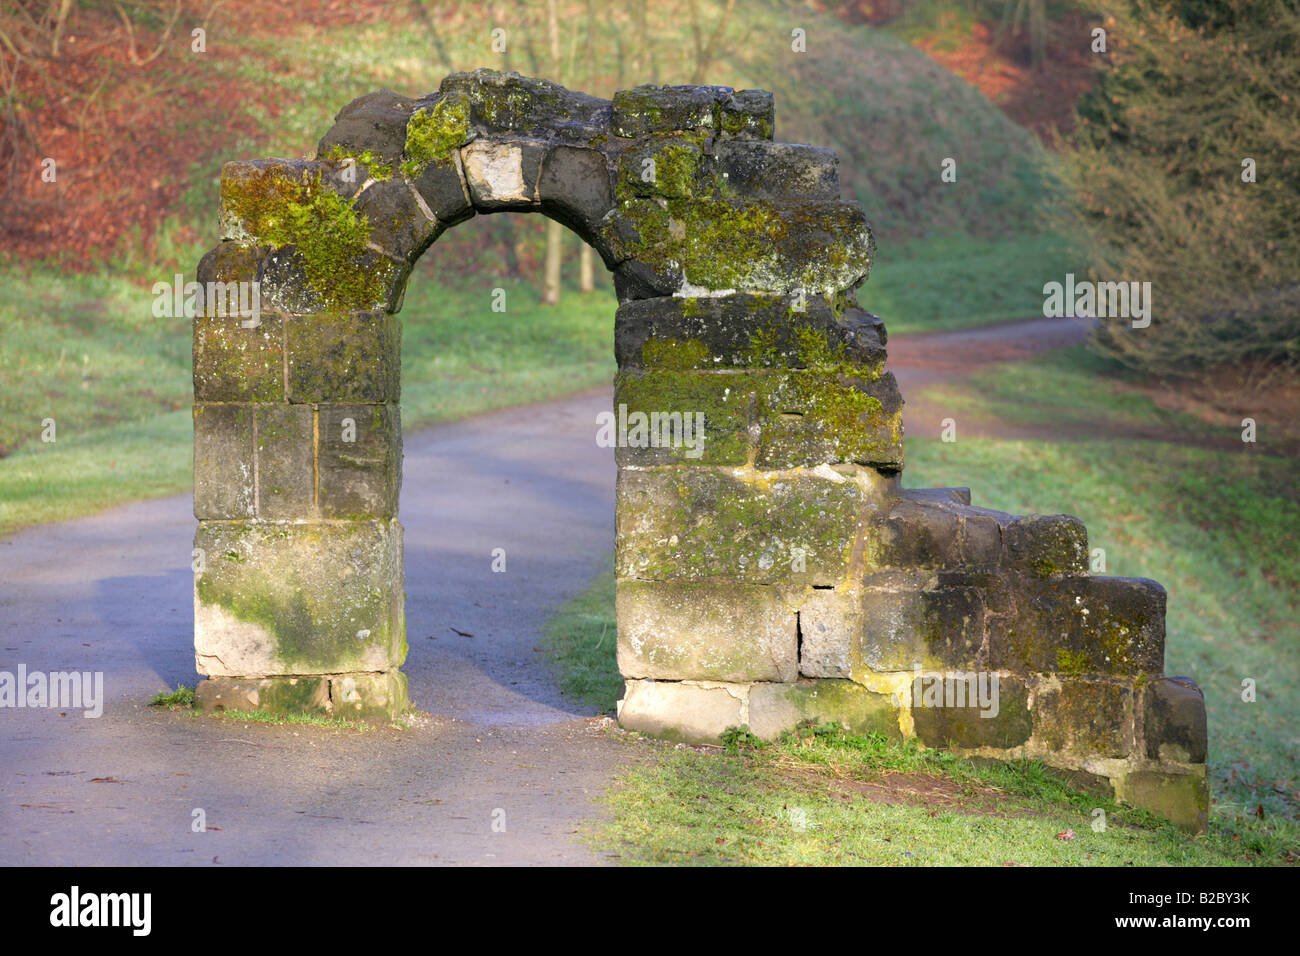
(580, 639)
(295, 720)
(1073, 390)
(181, 697)
(960, 282)
(799, 801)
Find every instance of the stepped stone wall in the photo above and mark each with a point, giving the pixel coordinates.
(777, 572)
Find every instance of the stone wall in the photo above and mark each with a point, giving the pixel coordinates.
(777, 573)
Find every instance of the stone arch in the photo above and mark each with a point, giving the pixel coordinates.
(776, 572)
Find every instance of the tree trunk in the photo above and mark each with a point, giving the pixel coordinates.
(586, 269)
(554, 231)
(554, 252)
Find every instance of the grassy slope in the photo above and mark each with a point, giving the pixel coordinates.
(1211, 527)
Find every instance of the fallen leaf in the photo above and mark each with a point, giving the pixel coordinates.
(1066, 835)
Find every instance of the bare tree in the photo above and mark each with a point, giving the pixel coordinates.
(554, 231)
(586, 261)
(705, 50)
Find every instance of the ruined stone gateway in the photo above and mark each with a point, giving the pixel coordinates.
(783, 575)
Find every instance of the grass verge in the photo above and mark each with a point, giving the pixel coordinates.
(822, 797)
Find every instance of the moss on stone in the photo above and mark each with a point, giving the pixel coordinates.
(675, 354)
(328, 235)
(717, 244)
(376, 168)
(434, 132)
(1071, 662)
(694, 523)
(678, 168)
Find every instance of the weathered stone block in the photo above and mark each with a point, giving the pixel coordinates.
(660, 109)
(638, 280)
(694, 524)
(1046, 545)
(286, 446)
(1183, 798)
(953, 625)
(508, 101)
(502, 175)
(918, 532)
(397, 223)
(441, 184)
(689, 631)
(830, 415)
(668, 417)
(981, 537)
(364, 697)
(1003, 725)
(667, 166)
(237, 364)
(1087, 718)
(348, 276)
(299, 599)
(830, 625)
(817, 246)
(344, 358)
(775, 708)
(360, 460)
(230, 262)
(574, 187)
(764, 170)
(272, 695)
(690, 712)
(1174, 727)
(745, 331)
(1079, 626)
(223, 462)
(893, 633)
(748, 114)
(374, 123)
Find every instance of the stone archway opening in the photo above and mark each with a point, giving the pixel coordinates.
(776, 571)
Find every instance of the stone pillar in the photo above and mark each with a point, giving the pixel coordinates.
(298, 587)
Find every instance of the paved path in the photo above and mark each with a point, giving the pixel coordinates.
(113, 593)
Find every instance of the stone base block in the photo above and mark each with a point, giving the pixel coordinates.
(1183, 798)
(293, 599)
(688, 631)
(376, 698)
(694, 712)
(775, 708)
